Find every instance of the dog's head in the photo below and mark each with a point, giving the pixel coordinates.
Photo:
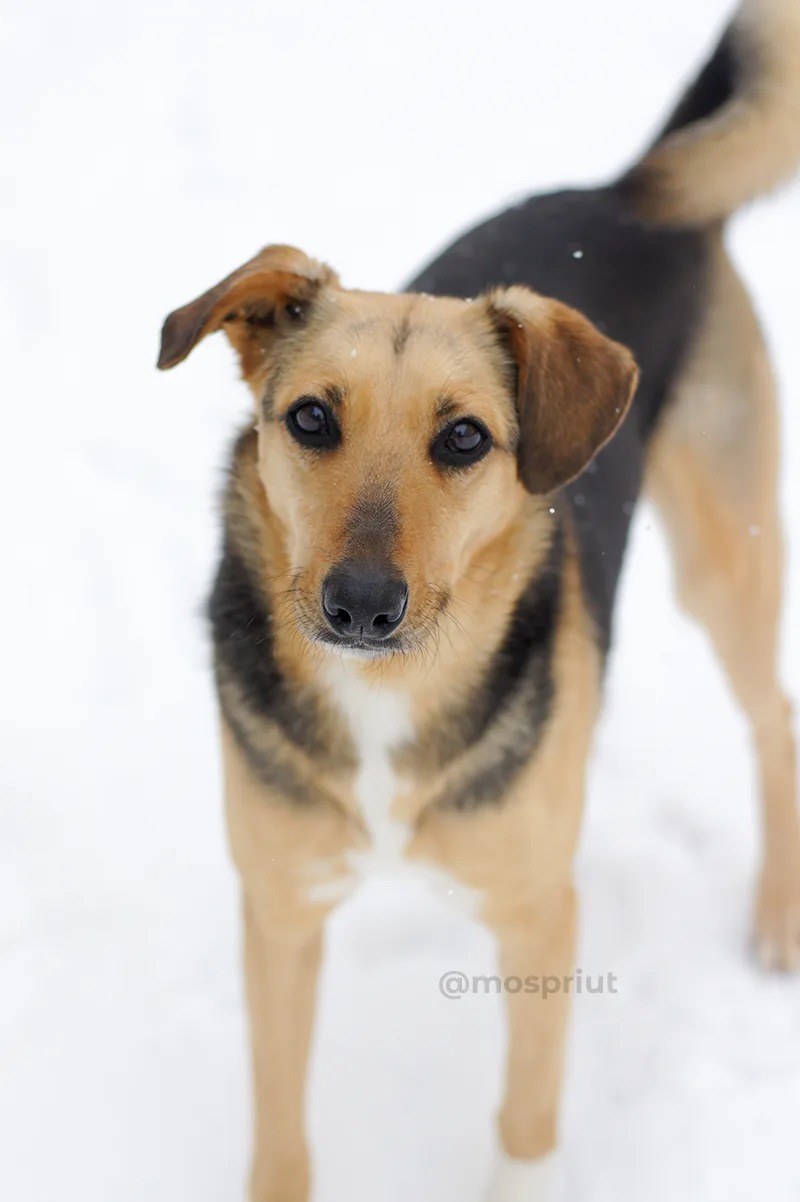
(399, 435)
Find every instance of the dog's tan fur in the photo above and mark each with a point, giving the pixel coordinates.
(480, 545)
(699, 175)
(517, 858)
(713, 491)
(468, 547)
(713, 472)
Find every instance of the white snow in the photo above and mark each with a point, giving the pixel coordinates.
(148, 149)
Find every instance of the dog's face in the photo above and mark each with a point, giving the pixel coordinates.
(388, 453)
(400, 435)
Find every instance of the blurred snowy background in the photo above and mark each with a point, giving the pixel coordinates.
(147, 150)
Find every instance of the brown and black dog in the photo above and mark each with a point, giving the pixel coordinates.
(423, 537)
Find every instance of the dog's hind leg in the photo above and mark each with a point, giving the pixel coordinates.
(712, 474)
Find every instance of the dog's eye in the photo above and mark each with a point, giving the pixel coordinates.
(312, 424)
(462, 443)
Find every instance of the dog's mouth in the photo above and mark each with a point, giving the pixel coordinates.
(360, 648)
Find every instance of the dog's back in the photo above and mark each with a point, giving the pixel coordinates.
(640, 256)
(631, 255)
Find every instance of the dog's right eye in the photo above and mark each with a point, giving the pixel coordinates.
(311, 423)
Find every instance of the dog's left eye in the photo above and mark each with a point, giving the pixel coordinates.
(312, 424)
(462, 443)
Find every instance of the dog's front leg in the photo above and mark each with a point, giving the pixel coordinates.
(536, 956)
(517, 860)
(281, 970)
(285, 851)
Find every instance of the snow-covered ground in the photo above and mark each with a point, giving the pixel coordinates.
(149, 148)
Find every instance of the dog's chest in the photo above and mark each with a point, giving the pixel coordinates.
(379, 721)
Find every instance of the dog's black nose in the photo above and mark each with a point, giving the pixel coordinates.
(363, 600)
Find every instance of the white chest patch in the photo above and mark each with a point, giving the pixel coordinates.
(380, 722)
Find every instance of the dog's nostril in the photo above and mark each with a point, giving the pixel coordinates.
(381, 621)
(337, 613)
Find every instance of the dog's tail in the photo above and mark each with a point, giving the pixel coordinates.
(736, 131)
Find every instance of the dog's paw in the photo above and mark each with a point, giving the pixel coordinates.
(777, 923)
(524, 1180)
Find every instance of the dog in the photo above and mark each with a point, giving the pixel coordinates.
(423, 535)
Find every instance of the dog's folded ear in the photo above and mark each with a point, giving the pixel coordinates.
(574, 385)
(255, 304)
